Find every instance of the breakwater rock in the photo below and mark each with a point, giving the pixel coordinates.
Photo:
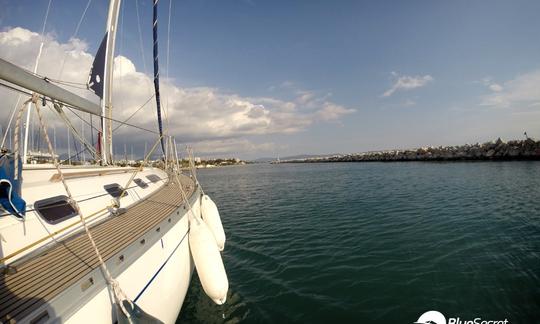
(528, 149)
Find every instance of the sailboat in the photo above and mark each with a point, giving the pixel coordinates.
(100, 243)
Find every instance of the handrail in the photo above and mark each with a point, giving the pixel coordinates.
(82, 174)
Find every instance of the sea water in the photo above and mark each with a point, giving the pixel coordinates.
(375, 242)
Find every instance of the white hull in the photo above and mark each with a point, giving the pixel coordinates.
(157, 281)
(153, 269)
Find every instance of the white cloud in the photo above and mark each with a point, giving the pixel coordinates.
(331, 111)
(196, 114)
(522, 91)
(488, 82)
(406, 82)
(305, 97)
(495, 87)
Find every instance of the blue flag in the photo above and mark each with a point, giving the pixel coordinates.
(98, 69)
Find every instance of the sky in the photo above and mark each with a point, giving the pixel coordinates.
(254, 79)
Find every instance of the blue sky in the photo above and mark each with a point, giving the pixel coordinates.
(461, 71)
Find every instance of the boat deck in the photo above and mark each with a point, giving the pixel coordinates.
(43, 277)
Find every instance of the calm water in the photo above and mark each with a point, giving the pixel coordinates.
(376, 242)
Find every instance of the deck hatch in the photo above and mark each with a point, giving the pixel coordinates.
(114, 189)
(140, 183)
(153, 178)
(55, 209)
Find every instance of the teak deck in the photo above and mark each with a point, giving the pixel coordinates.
(41, 278)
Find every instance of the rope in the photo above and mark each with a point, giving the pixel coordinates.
(17, 130)
(119, 295)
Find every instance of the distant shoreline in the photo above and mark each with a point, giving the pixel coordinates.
(516, 150)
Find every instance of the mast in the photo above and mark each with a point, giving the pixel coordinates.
(29, 108)
(106, 100)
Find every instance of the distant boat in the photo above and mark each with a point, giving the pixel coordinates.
(99, 242)
(277, 161)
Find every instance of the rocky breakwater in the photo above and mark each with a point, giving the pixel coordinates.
(528, 149)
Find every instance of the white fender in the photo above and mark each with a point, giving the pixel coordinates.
(208, 261)
(210, 215)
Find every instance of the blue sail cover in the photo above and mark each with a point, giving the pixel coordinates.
(98, 69)
(10, 188)
(156, 72)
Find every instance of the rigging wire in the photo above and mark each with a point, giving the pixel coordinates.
(73, 156)
(50, 80)
(141, 44)
(141, 48)
(76, 85)
(73, 36)
(86, 122)
(45, 20)
(121, 51)
(133, 114)
(29, 94)
(10, 121)
(19, 97)
(84, 147)
(123, 123)
(72, 83)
